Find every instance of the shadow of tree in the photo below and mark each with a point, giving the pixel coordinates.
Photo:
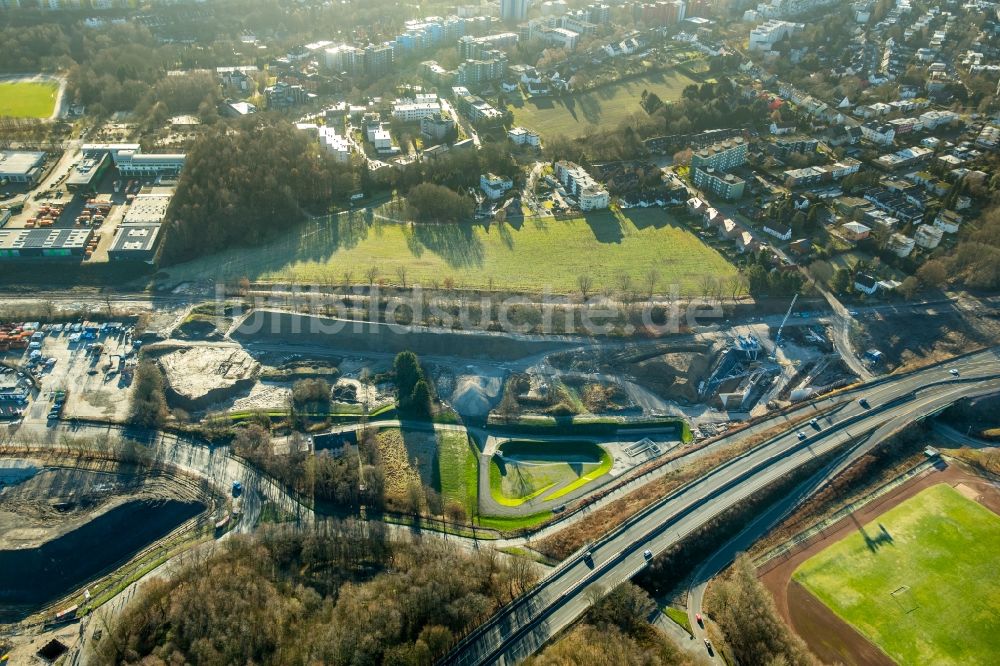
(458, 244)
(606, 227)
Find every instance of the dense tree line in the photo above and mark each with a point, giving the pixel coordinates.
(339, 592)
(412, 388)
(764, 280)
(456, 170)
(149, 404)
(615, 631)
(246, 183)
(745, 611)
(428, 202)
(350, 479)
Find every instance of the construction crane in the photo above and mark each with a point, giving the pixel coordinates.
(777, 337)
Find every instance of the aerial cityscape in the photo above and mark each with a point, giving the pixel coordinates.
(547, 332)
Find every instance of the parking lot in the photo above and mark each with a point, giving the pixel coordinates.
(82, 369)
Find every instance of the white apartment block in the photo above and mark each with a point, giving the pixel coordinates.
(590, 194)
(769, 33)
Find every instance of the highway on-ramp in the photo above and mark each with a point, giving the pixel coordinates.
(522, 627)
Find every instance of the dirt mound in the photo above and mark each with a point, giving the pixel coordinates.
(675, 375)
(200, 376)
(475, 395)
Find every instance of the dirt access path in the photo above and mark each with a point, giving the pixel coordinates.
(829, 637)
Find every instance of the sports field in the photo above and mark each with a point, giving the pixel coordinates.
(920, 581)
(28, 99)
(528, 256)
(604, 107)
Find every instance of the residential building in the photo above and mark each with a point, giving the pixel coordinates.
(948, 221)
(283, 95)
(378, 59)
(904, 158)
(437, 126)
(561, 37)
(722, 156)
(474, 72)
(726, 185)
(471, 48)
(767, 34)
(476, 109)
(901, 245)
(880, 133)
(928, 236)
(513, 11)
(865, 284)
(345, 59)
(793, 145)
(21, 166)
(778, 230)
(495, 186)
(524, 137)
(410, 110)
(590, 194)
(855, 231)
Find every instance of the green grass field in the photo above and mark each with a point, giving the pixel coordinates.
(457, 470)
(529, 257)
(930, 595)
(549, 470)
(604, 107)
(28, 99)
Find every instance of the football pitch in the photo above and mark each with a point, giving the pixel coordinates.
(28, 99)
(920, 581)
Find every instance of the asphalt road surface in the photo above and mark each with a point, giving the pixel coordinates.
(524, 626)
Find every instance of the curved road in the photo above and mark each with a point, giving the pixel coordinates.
(522, 627)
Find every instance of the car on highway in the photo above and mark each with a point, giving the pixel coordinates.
(699, 619)
(954, 372)
(648, 554)
(588, 557)
(864, 403)
(237, 488)
(708, 646)
(801, 435)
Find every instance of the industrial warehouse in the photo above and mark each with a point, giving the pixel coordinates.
(105, 203)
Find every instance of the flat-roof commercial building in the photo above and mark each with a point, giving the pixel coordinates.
(19, 166)
(87, 174)
(131, 161)
(148, 208)
(135, 242)
(27, 243)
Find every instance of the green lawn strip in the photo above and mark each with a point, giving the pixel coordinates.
(679, 617)
(530, 554)
(605, 106)
(454, 455)
(496, 489)
(433, 525)
(530, 256)
(27, 99)
(604, 468)
(928, 596)
(512, 523)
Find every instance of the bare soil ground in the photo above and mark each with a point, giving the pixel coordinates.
(828, 636)
(918, 339)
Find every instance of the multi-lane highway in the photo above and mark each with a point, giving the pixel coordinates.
(523, 626)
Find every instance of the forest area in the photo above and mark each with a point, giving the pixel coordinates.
(246, 183)
(316, 595)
